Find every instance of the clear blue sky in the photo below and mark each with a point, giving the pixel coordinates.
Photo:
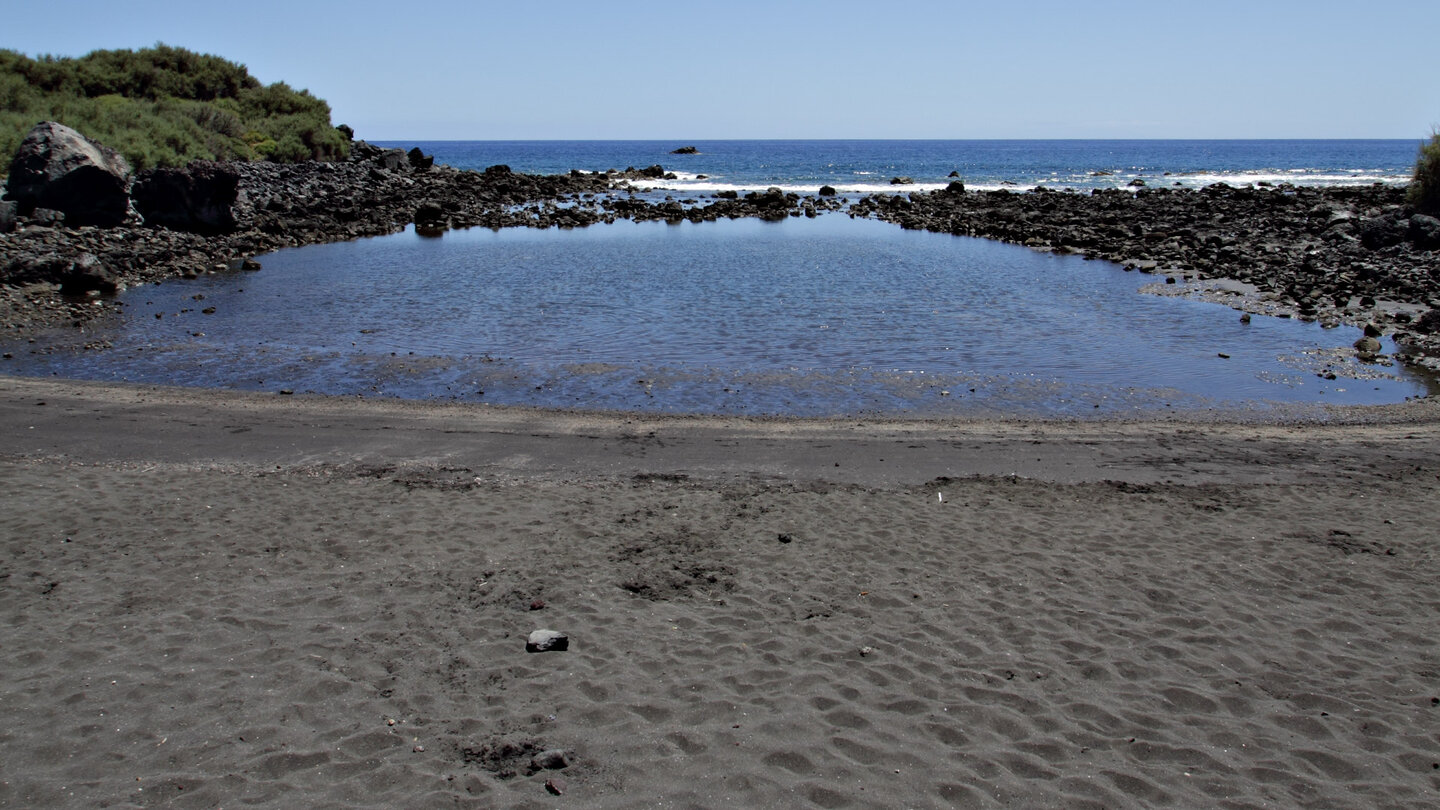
(674, 69)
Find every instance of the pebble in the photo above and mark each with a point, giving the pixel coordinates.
(547, 641)
(552, 759)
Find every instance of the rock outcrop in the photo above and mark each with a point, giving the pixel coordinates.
(199, 198)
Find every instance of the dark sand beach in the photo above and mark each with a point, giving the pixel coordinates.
(220, 600)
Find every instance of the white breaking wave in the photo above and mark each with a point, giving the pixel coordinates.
(713, 185)
(691, 183)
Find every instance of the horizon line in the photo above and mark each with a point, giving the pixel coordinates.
(685, 141)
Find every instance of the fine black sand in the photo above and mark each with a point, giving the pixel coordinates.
(219, 600)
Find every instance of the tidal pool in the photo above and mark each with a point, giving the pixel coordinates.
(807, 317)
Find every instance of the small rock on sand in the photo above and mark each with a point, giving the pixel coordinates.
(547, 641)
(552, 759)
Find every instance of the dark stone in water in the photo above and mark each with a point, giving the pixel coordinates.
(685, 150)
(429, 214)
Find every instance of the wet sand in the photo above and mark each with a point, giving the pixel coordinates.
(217, 599)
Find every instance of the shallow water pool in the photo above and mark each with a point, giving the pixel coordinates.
(807, 317)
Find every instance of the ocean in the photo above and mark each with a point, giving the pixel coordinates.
(868, 166)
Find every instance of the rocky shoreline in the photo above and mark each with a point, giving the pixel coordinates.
(215, 217)
(1338, 255)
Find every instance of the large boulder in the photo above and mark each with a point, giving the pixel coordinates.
(57, 167)
(1383, 231)
(393, 159)
(429, 214)
(1424, 231)
(199, 198)
(419, 161)
(7, 216)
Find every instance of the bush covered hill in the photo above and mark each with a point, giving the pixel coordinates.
(164, 106)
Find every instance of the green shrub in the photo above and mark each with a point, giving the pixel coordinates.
(164, 106)
(1425, 188)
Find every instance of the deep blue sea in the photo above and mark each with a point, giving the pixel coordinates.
(826, 317)
(868, 166)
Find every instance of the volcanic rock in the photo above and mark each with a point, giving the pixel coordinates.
(1383, 231)
(1367, 346)
(199, 198)
(429, 214)
(57, 167)
(419, 161)
(1424, 231)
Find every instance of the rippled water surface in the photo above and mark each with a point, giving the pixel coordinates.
(820, 317)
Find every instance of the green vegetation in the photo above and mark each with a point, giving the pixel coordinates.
(1425, 188)
(164, 106)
